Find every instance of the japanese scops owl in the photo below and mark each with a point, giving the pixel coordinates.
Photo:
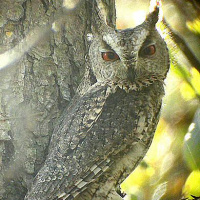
(108, 129)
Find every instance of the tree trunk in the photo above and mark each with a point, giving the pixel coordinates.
(38, 87)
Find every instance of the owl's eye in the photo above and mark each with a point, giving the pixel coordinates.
(109, 56)
(149, 51)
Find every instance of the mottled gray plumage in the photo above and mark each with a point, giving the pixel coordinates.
(109, 126)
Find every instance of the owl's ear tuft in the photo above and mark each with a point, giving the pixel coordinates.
(104, 17)
(152, 18)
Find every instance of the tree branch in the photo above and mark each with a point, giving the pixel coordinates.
(184, 47)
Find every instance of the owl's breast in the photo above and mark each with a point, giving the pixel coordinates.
(126, 118)
(123, 133)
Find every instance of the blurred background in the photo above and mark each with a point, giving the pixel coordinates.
(171, 169)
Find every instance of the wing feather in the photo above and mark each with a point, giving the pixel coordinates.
(61, 173)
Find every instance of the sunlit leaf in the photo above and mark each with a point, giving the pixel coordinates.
(195, 81)
(180, 70)
(187, 91)
(138, 178)
(191, 147)
(192, 185)
(160, 191)
(194, 26)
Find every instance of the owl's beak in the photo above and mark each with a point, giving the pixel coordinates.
(130, 64)
(131, 71)
(131, 75)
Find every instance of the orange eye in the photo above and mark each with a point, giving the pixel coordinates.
(149, 51)
(109, 56)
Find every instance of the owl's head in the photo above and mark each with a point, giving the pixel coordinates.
(130, 54)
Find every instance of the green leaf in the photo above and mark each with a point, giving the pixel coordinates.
(191, 146)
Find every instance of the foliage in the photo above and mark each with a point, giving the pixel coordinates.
(171, 168)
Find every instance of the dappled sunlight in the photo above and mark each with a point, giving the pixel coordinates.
(70, 4)
(138, 17)
(13, 55)
(4, 60)
(130, 13)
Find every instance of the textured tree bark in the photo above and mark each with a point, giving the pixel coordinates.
(36, 89)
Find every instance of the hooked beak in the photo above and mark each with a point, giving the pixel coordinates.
(131, 75)
(131, 70)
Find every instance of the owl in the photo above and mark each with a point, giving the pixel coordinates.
(109, 126)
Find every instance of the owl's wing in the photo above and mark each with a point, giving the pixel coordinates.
(62, 172)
